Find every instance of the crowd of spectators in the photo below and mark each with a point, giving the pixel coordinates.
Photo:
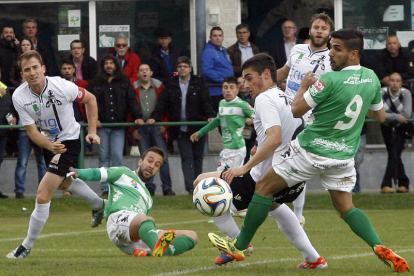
(163, 87)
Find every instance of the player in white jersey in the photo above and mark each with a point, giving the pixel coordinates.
(340, 102)
(275, 127)
(48, 101)
(313, 57)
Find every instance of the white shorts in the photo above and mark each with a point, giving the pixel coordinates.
(117, 228)
(294, 164)
(231, 158)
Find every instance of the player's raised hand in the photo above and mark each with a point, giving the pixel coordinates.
(93, 138)
(308, 79)
(58, 148)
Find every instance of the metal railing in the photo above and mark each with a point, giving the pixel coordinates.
(81, 161)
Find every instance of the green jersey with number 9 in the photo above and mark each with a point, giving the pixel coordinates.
(340, 102)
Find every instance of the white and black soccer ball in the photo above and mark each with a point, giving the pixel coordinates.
(212, 196)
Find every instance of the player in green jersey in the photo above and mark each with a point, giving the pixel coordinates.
(326, 148)
(128, 225)
(232, 117)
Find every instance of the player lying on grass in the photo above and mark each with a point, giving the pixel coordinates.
(275, 127)
(326, 148)
(128, 225)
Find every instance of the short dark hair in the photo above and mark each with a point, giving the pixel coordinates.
(67, 61)
(184, 59)
(156, 150)
(28, 55)
(242, 26)
(259, 63)
(146, 65)
(7, 26)
(324, 17)
(353, 39)
(230, 79)
(76, 41)
(162, 33)
(216, 29)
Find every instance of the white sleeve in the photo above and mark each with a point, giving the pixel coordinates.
(268, 111)
(70, 90)
(309, 100)
(25, 117)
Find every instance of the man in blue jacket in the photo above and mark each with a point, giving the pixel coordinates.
(216, 65)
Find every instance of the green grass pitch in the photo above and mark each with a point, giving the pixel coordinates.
(69, 246)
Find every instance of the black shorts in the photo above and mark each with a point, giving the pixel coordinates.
(60, 163)
(243, 190)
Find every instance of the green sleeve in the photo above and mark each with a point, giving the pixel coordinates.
(210, 126)
(247, 110)
(89, 174)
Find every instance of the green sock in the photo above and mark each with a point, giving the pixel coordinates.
(256, 214)
(148, 233)
(361, 225)
(180, 245)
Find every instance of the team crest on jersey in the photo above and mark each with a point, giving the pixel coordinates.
(319, 62)
(52, 100)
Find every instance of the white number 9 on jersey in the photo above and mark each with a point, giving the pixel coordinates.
(351, 114)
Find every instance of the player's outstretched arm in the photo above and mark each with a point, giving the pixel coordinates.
(378, 115)
(92, 113)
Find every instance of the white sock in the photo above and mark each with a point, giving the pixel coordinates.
(37, 221)
(79, 189)
(227, 225)
(299, 203)
(289, 225)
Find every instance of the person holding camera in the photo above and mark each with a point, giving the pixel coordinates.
(396, 128)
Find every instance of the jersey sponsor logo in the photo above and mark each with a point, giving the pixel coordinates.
(357, 80)
(319, 85)
(329, 145)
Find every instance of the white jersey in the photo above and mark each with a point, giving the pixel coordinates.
(303, 60)
(272, 108)
(52, 110)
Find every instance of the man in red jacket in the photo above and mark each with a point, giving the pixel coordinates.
(147, 92)
(128, 59)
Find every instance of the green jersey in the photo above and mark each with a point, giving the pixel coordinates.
(340, 100)
(232, 120)
(126, 190)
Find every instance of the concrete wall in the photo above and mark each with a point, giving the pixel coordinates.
(372, 171)
(230, 17)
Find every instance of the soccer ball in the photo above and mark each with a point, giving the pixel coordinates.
(212, 196)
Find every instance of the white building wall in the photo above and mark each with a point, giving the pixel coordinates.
(230, 17)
